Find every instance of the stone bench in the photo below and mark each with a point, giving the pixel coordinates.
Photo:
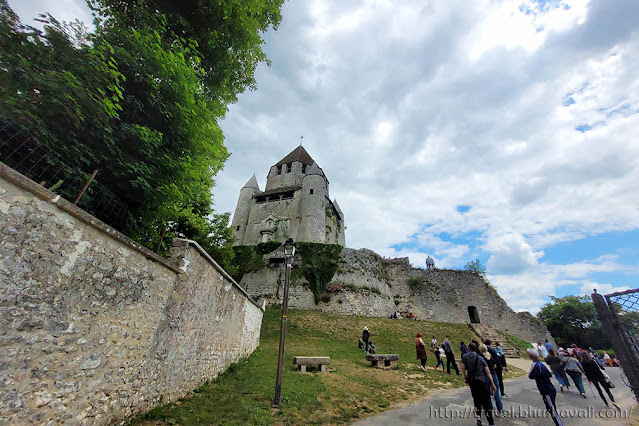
(388, 359)
(320, 361)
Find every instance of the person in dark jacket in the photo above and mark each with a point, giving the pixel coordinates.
(498, 368)
(492, 364)
(463, 348)
(557, 368)
(478, 378)
(365, 336)
(596, 377)
(420, 347)
(540, 374)
(450, 356)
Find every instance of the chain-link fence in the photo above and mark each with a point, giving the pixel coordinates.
(619, 315)
(22, 152)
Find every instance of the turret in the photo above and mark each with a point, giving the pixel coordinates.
(313, 206)
(289, 172)
(341, 236)
(243, 209)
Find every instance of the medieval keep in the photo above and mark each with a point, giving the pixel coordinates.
(295, 204)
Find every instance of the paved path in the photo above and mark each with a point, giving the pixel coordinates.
(524, 403)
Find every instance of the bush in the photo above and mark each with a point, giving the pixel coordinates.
(267, 247)
(247, 259)
(415, 282)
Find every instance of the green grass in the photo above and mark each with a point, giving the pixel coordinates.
(351, 389)
(520, 344)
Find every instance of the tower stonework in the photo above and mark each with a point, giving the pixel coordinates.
(295, 204)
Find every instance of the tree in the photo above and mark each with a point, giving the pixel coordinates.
(573, 319)
(139, 99)
(227, 35)
(476, 266)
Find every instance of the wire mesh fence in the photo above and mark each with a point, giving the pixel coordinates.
(625, 304)
(23, 153)
(619, 316)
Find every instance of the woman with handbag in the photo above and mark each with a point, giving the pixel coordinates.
(595, 376)
(420, 347)
(576, 373)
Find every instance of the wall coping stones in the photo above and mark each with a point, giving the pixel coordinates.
(27, 184)
(184, 242)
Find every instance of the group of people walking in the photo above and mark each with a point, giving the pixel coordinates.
(483, 365)
(577, 364)
(445, 350)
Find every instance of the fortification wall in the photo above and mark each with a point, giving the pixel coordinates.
(370, 285)
(94, 327)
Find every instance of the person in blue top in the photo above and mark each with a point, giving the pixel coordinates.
(549, 346)
(540, 374)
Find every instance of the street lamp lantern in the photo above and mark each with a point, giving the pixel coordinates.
(289, 248)
(289, 252)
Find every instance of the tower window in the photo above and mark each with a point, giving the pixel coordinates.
(303, 168)
(279, 170)
(311, 192)
(289, 167)
(237, 228)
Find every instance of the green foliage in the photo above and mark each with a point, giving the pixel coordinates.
(268, 247)
(226, 36)
(246, 259)
(139, 99)
(476, 266)
(319, 264)
(415, 282)
(573, 319)
(520, 344)
(359, 289)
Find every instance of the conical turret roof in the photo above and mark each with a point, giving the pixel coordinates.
(298, 154)
(337, 209)
(314, 170)
(252, 183)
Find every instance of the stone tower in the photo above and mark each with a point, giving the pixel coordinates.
(295, 204)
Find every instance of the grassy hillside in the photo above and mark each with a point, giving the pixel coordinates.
(350, 390)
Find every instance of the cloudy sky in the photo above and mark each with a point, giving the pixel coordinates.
(500, 130)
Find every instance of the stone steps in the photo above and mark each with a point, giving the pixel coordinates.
(488, 333)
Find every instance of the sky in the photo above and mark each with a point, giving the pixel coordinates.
(500, 130)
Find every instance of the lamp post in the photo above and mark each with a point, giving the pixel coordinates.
(289, 252)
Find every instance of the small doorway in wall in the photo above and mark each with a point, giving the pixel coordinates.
(473, 314)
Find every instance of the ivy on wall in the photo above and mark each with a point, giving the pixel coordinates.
(250, 258)
(319, 264)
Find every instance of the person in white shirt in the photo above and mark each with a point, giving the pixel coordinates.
(542, 350)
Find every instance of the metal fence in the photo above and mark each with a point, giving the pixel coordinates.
(619, 315)
(23, 153)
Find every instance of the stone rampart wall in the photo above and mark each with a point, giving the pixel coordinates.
(95, 328)
(376, 287)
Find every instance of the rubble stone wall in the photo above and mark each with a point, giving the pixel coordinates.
(95, 328)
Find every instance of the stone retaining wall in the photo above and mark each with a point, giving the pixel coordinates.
(95, 328)
(376, 287)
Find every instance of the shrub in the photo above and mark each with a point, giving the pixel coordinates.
(415, 282)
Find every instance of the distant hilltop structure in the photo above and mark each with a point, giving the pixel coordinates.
(295, 204)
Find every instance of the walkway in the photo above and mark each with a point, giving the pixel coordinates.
(524, 407)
